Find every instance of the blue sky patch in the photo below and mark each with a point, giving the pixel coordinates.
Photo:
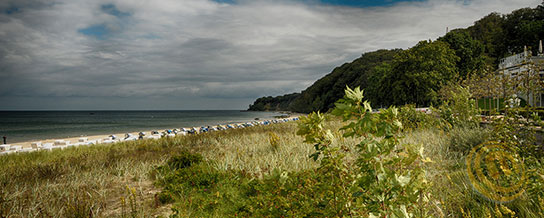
(224, 1)
(12, 10)
(99, 31)
(365, 3)
(349, 3)
(111, 9)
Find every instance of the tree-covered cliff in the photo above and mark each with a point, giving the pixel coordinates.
(397, 77)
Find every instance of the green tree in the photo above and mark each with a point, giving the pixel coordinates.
(330, 88)
(489, 31)
(524, 27)
(470, 51)
(530, 83)
(418, 73)
(377, 91)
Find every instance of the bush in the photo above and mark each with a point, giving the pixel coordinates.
(183, 160)
(412, 119)
(389, 179)
(458, 108)
(283, 194)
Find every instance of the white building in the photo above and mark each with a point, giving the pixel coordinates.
(517, 64)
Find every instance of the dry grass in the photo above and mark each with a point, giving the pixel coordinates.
(116, 180)
(93, 181)
(76, 182)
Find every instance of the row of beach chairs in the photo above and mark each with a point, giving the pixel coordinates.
(62, 144)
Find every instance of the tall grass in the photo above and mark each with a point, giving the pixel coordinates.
(117, 180)
(77, 182)
(93, 181)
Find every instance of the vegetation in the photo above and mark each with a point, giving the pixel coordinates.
(414, 76)
(422, 70)
(279, 103)
(351, 162)
(365, 166)
(117, 179)
(326, 91)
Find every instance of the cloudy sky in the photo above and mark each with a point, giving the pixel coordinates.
(201, 54)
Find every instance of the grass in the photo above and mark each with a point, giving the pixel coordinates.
(79, 182)
(93, 181)
(242, 171)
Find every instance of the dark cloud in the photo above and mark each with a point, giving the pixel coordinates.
(197, 54)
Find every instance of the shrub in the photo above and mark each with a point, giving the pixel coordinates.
(458, 108)
(412, 119)
(183, 160)
(390, 180)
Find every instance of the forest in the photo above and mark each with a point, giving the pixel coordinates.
(416, 75)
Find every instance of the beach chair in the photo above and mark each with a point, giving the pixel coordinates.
(36, 145)
(130, 137)
(5, 147)
(15, 148)
(80, 142)
(93, 142)
(58, 147)
(108, 140)
(47, 146)
(25, 150)
(153, 137)
(61, 142)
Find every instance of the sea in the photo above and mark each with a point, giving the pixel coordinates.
(21, 126)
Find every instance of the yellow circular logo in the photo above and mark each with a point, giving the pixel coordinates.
(496, 171)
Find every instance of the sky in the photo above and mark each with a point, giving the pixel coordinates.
(201, 54)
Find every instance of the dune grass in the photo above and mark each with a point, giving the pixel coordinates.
(125, 179)
(96, 180)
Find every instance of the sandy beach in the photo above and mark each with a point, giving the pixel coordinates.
(121, 135)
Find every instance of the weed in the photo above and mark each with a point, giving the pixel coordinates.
(274, 140)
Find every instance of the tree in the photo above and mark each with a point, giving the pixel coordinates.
(470, 51)
(524, 27)
(322, 95)
(486, 84)
(418, 73)
(377, 90)
(530, 83)
(489, 31)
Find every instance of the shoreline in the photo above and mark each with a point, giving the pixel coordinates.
(99, 138)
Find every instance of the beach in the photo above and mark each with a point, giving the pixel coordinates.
(120, 136)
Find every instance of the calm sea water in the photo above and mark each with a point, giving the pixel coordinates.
(19, 126)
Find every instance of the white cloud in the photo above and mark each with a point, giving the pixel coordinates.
(201, 49)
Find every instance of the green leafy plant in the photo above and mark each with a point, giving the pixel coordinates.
(412, 119)
(336, 181)
(183, 160)
(390, 180)
(458, 108)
